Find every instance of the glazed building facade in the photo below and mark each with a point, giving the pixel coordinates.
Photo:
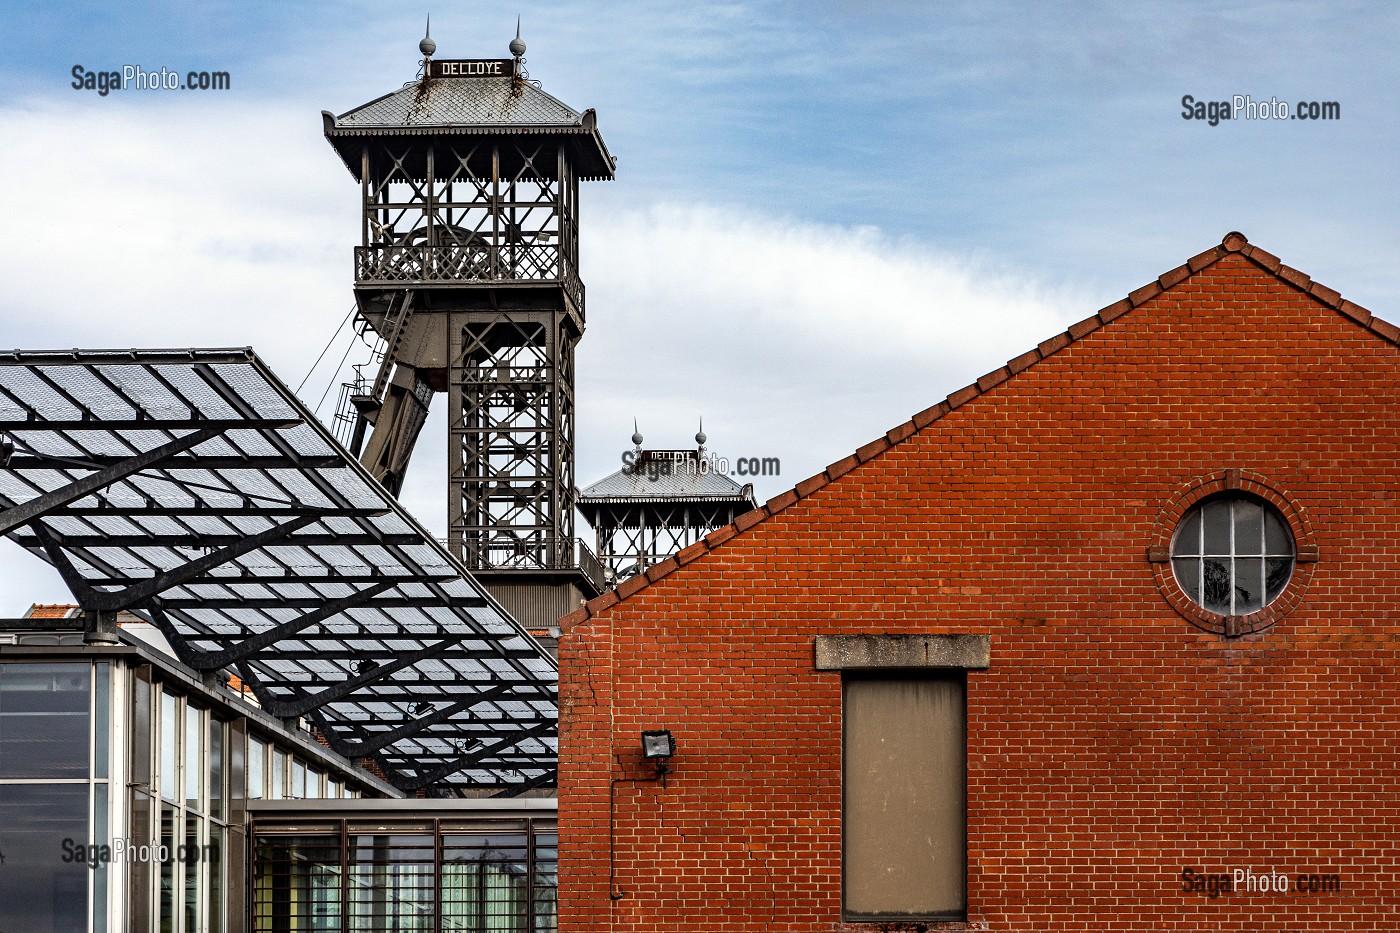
(136, 798)
(125, 782)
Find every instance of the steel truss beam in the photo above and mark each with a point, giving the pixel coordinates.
(210, 660)
(287, 709)
(202, 542)
(93, 600)
(355, 654)
(69, 425)
(183, 463)
(27, 512)
(288, 576)
(223, 604)
(363, 634)
(465, 761)
(547, 778)
(394, 691)
(373, 741)
(405, 734)
(107, 508)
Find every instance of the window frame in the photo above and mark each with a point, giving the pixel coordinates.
(89, 786)
(1307, 554)
(945, 655)
(944, 675)
(1201, 552)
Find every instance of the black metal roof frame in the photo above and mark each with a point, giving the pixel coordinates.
(193, 487)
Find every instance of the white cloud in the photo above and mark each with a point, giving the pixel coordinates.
(795, 340)
(173, 225)
(169, 225)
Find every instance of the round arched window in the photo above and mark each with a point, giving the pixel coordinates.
(1233, 554)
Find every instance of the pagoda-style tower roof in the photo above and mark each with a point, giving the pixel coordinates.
(466, 104)
(660, 502)
(445, 103)
(672, 479)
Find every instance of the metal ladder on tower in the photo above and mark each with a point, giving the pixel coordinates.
(367, 405)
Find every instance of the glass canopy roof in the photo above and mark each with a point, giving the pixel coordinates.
(194, 488)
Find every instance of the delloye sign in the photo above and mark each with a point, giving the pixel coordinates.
(472, 68)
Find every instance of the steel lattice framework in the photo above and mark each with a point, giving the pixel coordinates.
(468, 215)
(467, 271)
(192, 487)
(634, 536)
(665, 503)
(510, 456)
(481, 211)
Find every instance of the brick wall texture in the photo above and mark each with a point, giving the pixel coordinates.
(1112, 743)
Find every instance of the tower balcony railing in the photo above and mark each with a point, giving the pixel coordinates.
(391, 265)
(527, 552)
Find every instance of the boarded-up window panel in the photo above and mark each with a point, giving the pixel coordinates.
(905, 819)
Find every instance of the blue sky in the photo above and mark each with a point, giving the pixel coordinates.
(1010, 128)
(827, 215)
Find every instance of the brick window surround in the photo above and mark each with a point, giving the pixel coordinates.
(1242, 481)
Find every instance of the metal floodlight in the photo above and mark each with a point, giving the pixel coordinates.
(658, 745)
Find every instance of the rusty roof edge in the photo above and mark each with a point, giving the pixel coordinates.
(461, 129)
(1233, 242)
(580, 117)
(663, 500)
(587, 126)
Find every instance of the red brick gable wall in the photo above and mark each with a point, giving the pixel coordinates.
(1111, 744)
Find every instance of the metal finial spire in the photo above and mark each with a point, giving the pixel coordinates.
(636, 433)
(700, 438)
(517, 45)
(428, 46)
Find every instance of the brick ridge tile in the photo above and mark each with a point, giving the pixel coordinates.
(1233, 242)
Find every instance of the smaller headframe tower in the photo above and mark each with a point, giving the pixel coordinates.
(467, 271)
(659, 502)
